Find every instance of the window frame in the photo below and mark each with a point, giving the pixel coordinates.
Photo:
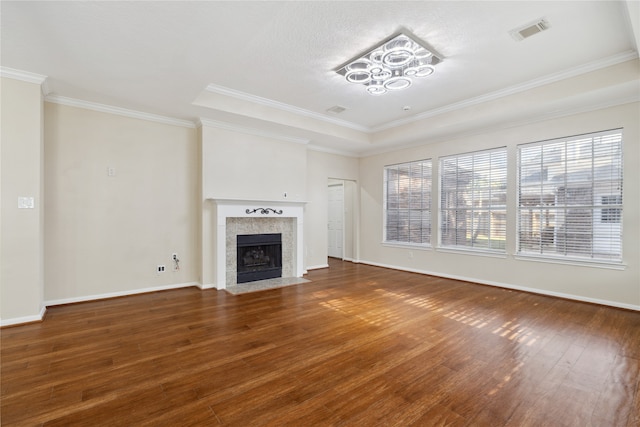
(425, 243)
(578, 200)
(490, 208)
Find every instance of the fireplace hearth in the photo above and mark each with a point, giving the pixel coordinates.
(259, 257)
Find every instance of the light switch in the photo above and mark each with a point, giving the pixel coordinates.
(26, 203)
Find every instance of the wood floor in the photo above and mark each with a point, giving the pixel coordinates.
(358, 346)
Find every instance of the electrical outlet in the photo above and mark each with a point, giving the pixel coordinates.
(161, 269)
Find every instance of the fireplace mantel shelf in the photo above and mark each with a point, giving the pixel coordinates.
(256, 202)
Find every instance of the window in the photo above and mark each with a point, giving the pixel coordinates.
(473, 201)
(408, 203)
(570, 197)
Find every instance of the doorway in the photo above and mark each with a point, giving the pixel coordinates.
(342, 221)
(335, 220)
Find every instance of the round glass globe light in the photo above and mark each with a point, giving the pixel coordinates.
(397, 83)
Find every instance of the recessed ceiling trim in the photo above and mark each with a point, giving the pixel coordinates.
(532, 84)
(40, 79)
(72, 102)
(250, 131)
(282, 106)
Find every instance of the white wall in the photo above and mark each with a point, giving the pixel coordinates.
(105, 235)
(320, 167)
(22, 235)
(616, 287)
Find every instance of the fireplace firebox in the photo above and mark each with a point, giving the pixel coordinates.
(259, 257)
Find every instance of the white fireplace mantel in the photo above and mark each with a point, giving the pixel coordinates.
(236, 208)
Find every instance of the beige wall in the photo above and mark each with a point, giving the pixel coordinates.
(105, 235)
(351, 220)
(618, 287)
(21, 231)
(249, 167)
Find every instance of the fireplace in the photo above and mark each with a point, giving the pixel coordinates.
(259, 257)
(231, 218)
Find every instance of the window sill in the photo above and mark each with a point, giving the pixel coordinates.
(403, 245)
(474, 252)
(611, 265)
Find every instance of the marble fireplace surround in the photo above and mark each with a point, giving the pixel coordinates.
(235, 217)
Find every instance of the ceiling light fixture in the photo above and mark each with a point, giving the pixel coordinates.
(390, 65)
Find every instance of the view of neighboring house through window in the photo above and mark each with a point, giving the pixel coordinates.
(408, 203)
(570, 197)
(473, 201)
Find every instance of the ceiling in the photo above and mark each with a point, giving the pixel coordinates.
(269, 67)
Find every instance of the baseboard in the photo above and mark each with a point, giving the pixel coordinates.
(25, 319)
(509, 286)
(118, 294)
(316, 267)
(206, 286)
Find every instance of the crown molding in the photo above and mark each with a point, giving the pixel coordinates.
(512, 90)
(44, 86)
(72, 102)
(283, 107)
(26, 76)
(250, 131)
(321, 149)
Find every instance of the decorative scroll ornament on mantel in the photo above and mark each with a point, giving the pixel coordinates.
(263, 211)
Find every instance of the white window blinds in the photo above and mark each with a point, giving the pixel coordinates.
(408, 203)
(473, 200)
(570, 197)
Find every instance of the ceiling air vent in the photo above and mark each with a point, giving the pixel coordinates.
(336, 109)
(530, 29)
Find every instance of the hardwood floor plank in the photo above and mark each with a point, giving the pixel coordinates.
(195, 413)
(438, 415)
(615, 402)
(358, 345)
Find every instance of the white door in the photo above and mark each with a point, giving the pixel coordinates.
(336, 220)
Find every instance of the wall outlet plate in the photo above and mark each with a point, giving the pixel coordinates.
(26, 203)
